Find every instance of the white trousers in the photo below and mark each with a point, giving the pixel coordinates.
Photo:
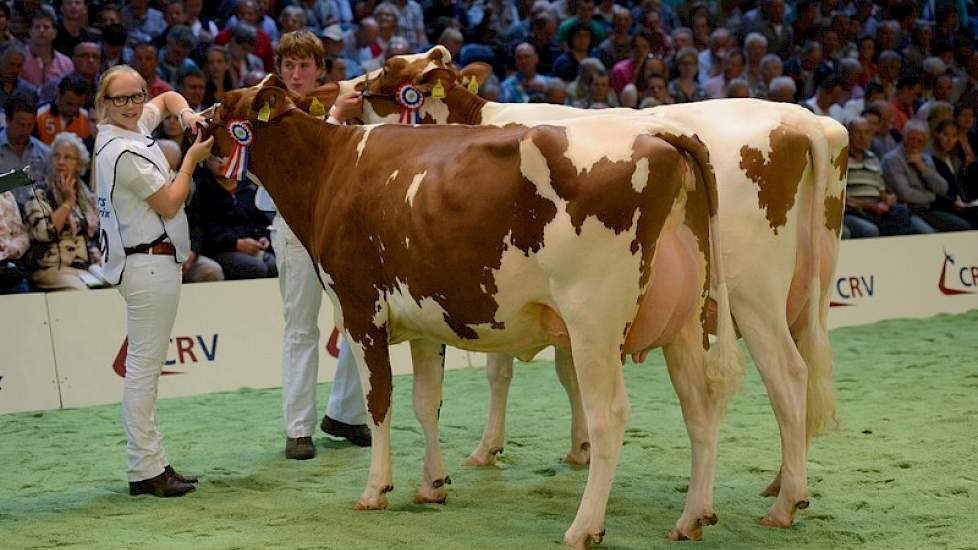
(302, 296)
(150, 286)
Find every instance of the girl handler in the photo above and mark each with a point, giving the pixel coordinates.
(144, 239)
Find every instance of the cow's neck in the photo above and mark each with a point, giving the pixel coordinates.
(464, 107)
(294, 161)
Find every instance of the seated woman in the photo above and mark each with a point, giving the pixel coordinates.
(649, 82)
(14, 244)
(62, 218)
(946, 152)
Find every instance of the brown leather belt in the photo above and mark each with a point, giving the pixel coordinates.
(160, 249)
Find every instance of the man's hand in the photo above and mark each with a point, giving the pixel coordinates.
(347, 107)
(263, 243)
(248, 246)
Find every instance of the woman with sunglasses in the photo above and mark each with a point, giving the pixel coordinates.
(144, 239)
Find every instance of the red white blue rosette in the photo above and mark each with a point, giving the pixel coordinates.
(410, 99)
(237, 167)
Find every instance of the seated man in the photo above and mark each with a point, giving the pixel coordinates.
(910, 173)
(235, 232)
(870, 210)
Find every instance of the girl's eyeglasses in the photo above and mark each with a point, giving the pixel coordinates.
(122, 100)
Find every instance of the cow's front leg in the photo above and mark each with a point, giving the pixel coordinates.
(429, 373)
(499, 371)
(580, 448)
(373, 362)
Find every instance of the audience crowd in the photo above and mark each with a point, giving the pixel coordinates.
(901, 75)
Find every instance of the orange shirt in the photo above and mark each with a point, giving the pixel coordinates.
(50, 124)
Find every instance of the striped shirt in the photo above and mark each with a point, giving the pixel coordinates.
(864, 177)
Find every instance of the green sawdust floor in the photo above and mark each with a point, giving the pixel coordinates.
(900, 474)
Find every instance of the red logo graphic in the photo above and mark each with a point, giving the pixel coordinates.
(333, 344)
(967, 274)
(185, 349)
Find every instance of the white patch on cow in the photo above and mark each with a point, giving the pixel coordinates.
(357, 350)
(333, 298)
(380, 309)
(264, 80)
(407, 242)
(534, 167)
(363, 142)
(413, 188)
(436, 109)
(640, 177)
(391, 177)
(589, 140)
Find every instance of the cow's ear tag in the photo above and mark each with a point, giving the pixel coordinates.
(438, 91)
(474, 85)
(264, 113)
(316, 108)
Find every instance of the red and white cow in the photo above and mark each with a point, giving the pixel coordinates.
(509, 238)
(781, 178)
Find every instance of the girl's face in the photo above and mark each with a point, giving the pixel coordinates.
(657, 87)
(966, 119)
(688, 66)
(172, 128)
(124, 100)
(947, 138)
(216, 63)
(65, 160)
(581, 42)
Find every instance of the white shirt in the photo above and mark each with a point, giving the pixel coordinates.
(129, 168)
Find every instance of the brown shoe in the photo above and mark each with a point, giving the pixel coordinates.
(299, 448)
(181, 478)
(163, 485)
(359, 435)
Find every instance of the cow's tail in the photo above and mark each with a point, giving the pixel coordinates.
(813, 338)
(725, 367)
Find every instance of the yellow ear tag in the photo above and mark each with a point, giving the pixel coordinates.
(438, 91)
(264, 112)
(316, 108)
(474, 85)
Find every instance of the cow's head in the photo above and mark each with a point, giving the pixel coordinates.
(423, 71)
(260, 104)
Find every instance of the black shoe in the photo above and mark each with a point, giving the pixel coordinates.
(299, 448)
(358, 435)
(181, 478)
(163, 485)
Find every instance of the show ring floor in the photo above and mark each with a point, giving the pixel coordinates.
(901, 472)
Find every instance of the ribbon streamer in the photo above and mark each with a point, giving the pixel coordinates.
(236, 168)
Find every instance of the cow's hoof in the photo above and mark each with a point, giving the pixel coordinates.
(482, 459)
(372, 503)
(583, 541)
(694, 532)
(783, 521)
(580, 456)
(435, 493)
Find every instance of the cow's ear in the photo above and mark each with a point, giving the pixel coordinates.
(270, 103)
(273, 81)
(318, 101)
(479, 70)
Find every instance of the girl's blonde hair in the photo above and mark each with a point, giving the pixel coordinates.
(103, 86)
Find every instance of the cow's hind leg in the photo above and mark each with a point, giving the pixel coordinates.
(429, 371)
(499, 372)
(580, 450)
(785, 377)
(686, 360)
(597, 362)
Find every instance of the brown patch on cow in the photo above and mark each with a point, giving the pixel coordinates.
(834, 211)
(841, 162)
(383, 106)
(778, 176)
(463, 107)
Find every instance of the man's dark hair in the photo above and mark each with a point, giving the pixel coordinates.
(20, 102)
(830, 82)
(908, 81)
(114, 34)
(192, 72)
(45, 11)
(873, 88)
(76, 84)
(871, 110)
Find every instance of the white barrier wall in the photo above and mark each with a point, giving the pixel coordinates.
(65, 349)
